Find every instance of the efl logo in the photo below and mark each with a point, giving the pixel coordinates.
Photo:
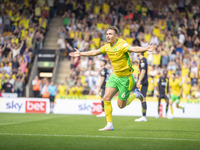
(96, 108)
(35, 107)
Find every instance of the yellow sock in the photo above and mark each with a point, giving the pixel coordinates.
(130, 99)
(180, 107)
(108, 110)
(171, 110)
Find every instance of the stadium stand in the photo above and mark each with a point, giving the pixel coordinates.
(23, 25)
(174, 27)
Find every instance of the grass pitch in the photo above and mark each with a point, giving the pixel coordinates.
(48, 131)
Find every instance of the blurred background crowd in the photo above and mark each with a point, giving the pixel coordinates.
(173, 25)
(23, 25)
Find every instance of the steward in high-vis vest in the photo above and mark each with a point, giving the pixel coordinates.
(36, 83)
(44, 92)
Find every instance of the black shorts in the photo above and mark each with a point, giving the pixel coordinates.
(163, 97)
(144, 90)
(102, 93)
(52, 98)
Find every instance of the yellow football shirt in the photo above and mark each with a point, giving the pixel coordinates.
(156, 59)
(156, 31)
(186, 89)
(144, 11)
(99, 26)
(29, 41)
(147, 37)
(16, 41)
(129, 40)
(97, 9)
(71, 34)
(24, 33)
(151, 84)
(96, 42)
(61, 89)
(175, 86)
(87, 6)
(72, 90)
(162, 37)
(37, 11)
(119, 57)
(79, 91)
(184, 71)
(43, 23)
(106, 8)
(106, 26)
(26, 23)
(138, 7)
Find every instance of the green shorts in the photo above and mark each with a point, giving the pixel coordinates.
(123, 84)
(175, 98)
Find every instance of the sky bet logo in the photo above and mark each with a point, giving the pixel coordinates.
(35, 107)
(14, 105)
(95, 108)
(85, 107)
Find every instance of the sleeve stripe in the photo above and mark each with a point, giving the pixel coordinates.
(129, 47)
(101, 51)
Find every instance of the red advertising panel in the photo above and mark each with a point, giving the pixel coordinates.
(35, 107)
(96, 108)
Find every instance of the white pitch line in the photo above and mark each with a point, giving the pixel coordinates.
(14, 123)
(99, 136)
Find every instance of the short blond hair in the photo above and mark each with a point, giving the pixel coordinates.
(114, 28)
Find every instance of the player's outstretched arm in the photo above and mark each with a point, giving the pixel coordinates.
(150, 48)
(88, 53)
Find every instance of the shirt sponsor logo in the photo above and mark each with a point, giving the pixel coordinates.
(142, 64)
(125, 44)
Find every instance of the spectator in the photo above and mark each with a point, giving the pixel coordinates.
(78, 89)
(62, 46)
(15, 65)
(44, 89)
(8, 87)
(7, 68)
(36, 83)
(23, 66)
(62, 89)
(86, 89)
(18, 86)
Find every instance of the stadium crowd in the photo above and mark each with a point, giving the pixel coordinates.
(173, 25)
(23, 25)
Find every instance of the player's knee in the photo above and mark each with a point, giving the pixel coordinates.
(106, 98)
(144, 100)
(120, 106)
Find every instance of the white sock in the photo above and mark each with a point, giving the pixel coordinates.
(136, 94)
(109, 124)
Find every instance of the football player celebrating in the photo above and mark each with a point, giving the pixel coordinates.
(121, 80)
